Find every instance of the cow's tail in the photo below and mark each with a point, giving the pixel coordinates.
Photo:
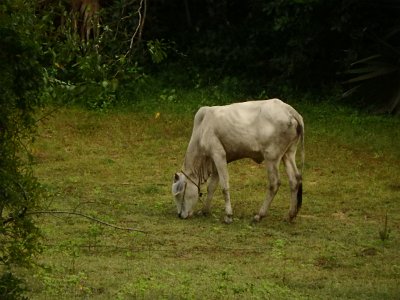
(300, 131)
(299, 196)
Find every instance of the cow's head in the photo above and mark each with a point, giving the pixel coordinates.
(186, 195)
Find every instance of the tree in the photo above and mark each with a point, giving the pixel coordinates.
(21, 81)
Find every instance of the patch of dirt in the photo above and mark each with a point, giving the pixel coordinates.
(340, 215)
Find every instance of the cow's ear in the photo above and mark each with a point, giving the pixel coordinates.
(178, 188)
(176, 177)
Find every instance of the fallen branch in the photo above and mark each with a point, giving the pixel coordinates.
(85, 216)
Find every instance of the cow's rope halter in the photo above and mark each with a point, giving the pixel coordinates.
(192, 181)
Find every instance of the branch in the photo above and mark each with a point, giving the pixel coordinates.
(46, 115)
(142, 21)
(64, 104)
(23, 210)
(140, 25)
(85, 216)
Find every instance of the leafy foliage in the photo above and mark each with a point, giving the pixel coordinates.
(89, 69)
(21, 83)
(93, 48)
(11, 287)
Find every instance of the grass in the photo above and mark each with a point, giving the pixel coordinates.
(118, 166)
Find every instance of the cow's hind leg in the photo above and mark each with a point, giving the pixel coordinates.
(274, 183)
(289, 159)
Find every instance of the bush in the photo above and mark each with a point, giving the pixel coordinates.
(21, 78)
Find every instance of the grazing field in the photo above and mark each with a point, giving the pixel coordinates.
(118, 167)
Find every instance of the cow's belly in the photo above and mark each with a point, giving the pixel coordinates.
(257, 156)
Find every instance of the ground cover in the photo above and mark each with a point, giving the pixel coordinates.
(118, 166)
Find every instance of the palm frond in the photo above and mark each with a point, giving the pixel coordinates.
(366, 59)
(372, 73)
(376, 78)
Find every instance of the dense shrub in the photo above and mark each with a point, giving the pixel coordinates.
(20, 95)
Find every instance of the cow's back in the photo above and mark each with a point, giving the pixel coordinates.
(253, 120)
(246, 129)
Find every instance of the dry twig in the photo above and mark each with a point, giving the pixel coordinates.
(139, 28)
(85, 216)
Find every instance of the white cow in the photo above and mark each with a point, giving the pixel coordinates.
(261, 130)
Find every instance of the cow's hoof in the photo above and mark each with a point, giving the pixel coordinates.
(228, 219)
(257, 218)
(291, 217)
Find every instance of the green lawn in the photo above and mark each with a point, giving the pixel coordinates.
(118, 167)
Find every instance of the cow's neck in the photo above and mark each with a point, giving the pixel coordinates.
(197, 165)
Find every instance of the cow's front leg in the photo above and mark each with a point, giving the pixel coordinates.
(212, 185)
(222, 169)
(228, 207)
